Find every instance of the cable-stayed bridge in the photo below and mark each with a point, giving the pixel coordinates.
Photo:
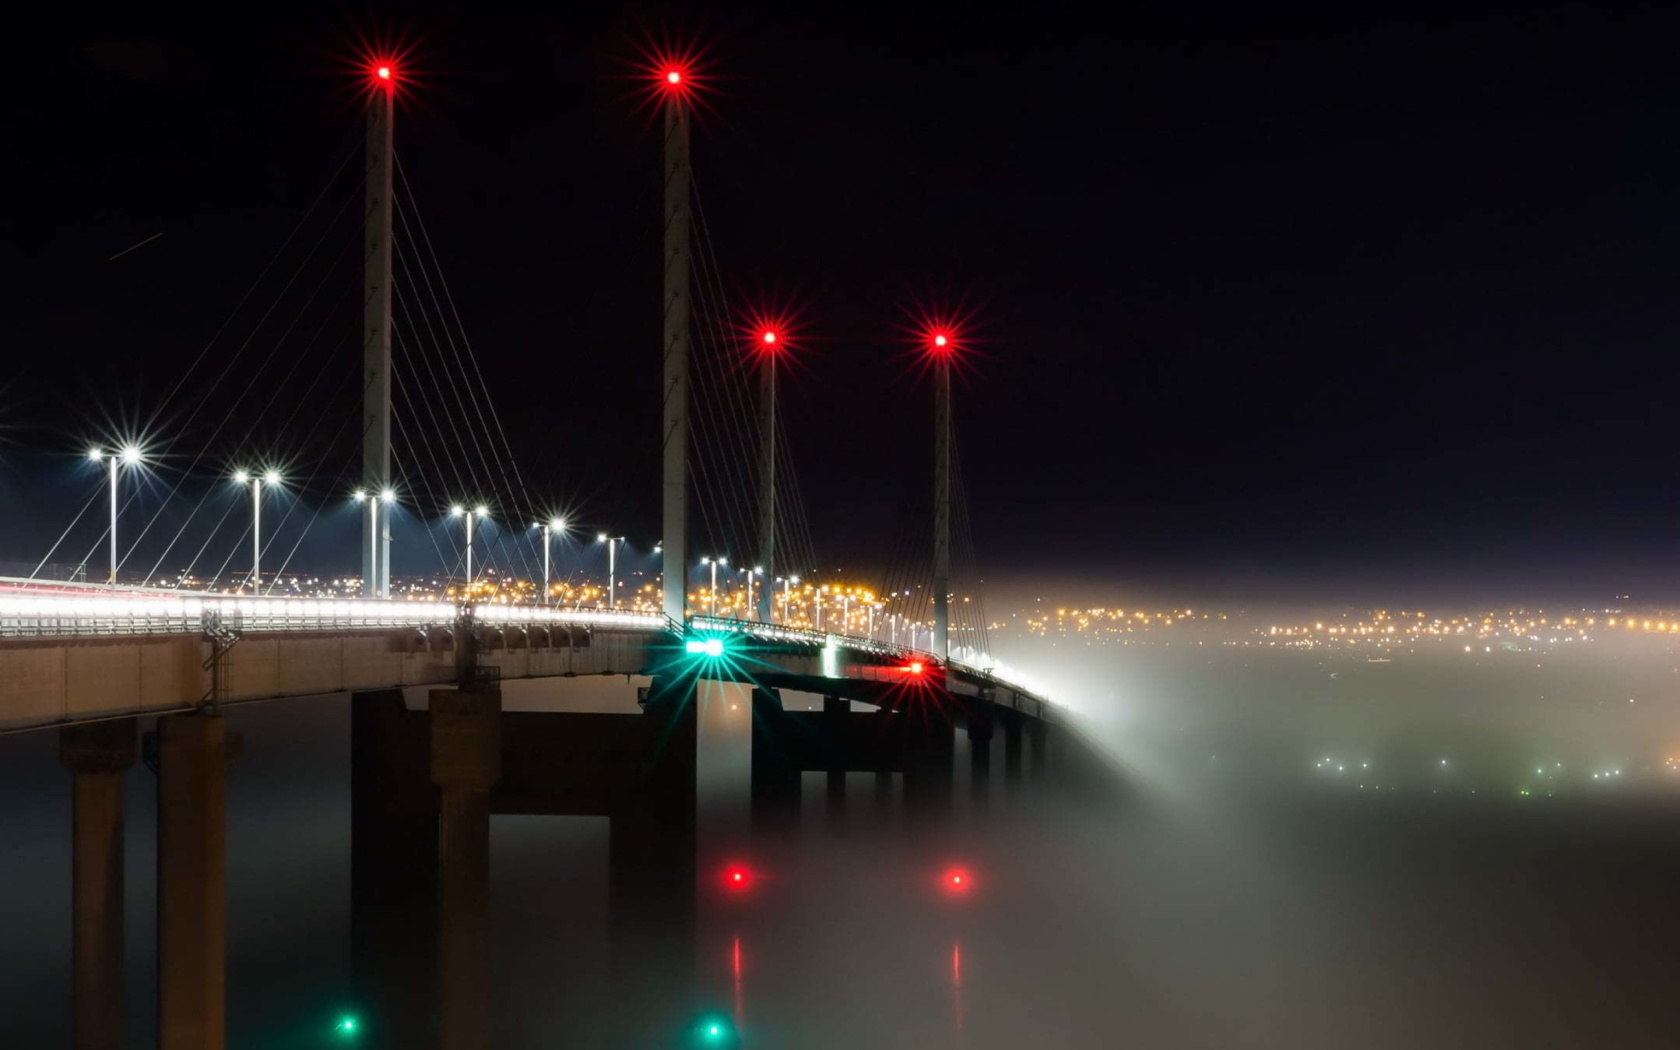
(94, 652)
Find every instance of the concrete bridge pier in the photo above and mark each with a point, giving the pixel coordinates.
(929, 757)
(193, 752)
(97, 755)
(1038, 734)
(652, 870)
(980, 730)
(393, 873)
(466, 763)
(775, 789)
(1011, 747)
(883, 792)
(835, 712)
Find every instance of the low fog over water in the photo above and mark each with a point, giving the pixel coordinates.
(1382, 846)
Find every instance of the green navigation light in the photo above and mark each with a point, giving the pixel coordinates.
(712, 647)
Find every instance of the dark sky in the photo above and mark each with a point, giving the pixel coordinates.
(1331, 297)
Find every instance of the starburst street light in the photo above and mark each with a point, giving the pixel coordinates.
(480, 511)
(711, 605)
(613, 543)
(129, 455)
(271, 478)
(548, 529)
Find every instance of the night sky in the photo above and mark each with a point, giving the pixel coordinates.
(1330, 299)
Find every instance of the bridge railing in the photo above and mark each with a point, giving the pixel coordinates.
(82, 614)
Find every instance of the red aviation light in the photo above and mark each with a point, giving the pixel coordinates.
(770, 331)
(673, 77)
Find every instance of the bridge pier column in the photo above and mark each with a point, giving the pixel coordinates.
(1012, 749)
(1038, 734)
(193, 752)
(929, 753)
(652, 839)
(393, 873)
(97, 755)
(775, 776)
(980, 731)
(466, 745)
(883, 792)
(835, 712)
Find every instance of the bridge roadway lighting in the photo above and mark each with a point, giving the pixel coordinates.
(612, 543)
(127, 456)
(256, 481)
(757, 570)
(549, 528)
(711, 605)
(480, 511)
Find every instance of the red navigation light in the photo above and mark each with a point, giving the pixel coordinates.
(737, 878)
(673, 77)
(939, 339)
(383, 72)
(769, 338)
(957, 881)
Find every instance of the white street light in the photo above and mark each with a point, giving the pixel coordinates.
(480, 511)
(128, 455)
(711, 606)
(749, 574)
(549, 528)
(612, 543)
(272, 478)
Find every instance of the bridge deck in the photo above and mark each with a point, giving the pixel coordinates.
(72, 657)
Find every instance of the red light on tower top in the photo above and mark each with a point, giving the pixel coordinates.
(737, 878)
(956, 881)
(673, 77)
(768, 337)
(383, 72)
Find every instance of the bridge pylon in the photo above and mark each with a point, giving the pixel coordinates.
(376, 327)
(673, 430)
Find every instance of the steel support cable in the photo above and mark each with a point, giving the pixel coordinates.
(800, 540)
(414, 349)
(726, 378)
(355, 147)
(61, 536)
(431, 533)
(530, 508)
(721, 448)
(275, 390)
(710, 462)
(418, 262)
(233, 502)
(727, 373)
(708, 437)
(967, 547)
(246, 389)
(415, 444)
(344, 419)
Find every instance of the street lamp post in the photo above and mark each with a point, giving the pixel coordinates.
(757, 570)
(386, 498)
(711, 604)
(612, 543)
(549, 528)
(127, 456)
(479, 511)
(272, 477)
